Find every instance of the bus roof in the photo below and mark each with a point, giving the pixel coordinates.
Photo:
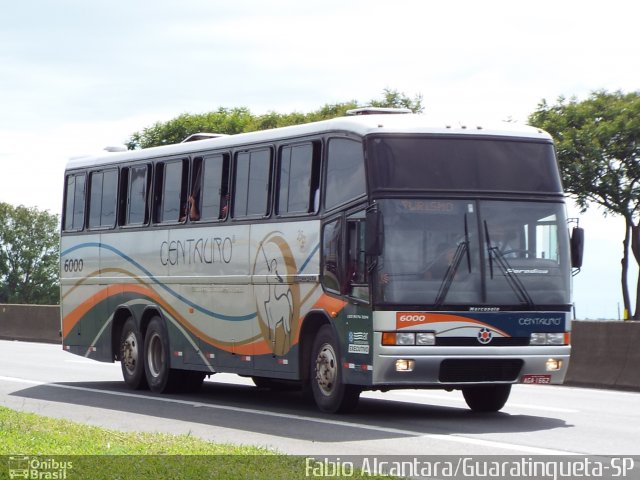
(361, 125)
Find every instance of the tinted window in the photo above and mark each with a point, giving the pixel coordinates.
(357, 271)
(437, 163)
(172, 192)
(102, 202)
(331, 235)
(345, 172)
(211, 186)
(74, 202)
(251, 195)
(137, 195)
(299, 180)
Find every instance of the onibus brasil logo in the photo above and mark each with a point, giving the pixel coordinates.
(38, 468)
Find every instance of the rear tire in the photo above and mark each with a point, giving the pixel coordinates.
(132, 356)
(490, 398)
(329, 391)
(157, 365)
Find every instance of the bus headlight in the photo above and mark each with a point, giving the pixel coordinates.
(405, 338)
(425, 338)
(408, 338)
(555, 338)
(538, 339)
(547, 339)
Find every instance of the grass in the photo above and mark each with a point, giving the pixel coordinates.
(100, 453)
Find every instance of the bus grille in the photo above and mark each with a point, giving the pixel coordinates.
(457, 370)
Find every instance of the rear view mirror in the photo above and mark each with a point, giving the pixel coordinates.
(577, 247)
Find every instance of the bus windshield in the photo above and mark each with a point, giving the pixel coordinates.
(444, 253)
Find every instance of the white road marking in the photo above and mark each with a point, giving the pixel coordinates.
(326, 421)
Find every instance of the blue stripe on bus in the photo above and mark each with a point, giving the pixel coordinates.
(156, 281)
(306, 262)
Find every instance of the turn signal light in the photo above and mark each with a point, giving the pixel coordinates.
(388, 338)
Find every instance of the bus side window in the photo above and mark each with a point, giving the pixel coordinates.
(356, 279)
(299, 179)
(102, 198)
(252, 183)
(136, 181)
(345, 172)
(331, 256)
(210, 188)
(170, 187)
(74, 202)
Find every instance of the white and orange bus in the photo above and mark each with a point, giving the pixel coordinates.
(371, 252)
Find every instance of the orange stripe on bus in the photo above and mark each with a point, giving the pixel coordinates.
(445, 318)
(333, 306)
(71, 320)
(252, 347)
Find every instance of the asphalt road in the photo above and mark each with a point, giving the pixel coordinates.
(537, 420)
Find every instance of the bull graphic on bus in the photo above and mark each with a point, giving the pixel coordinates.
(277, 297)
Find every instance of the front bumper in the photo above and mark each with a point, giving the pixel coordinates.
(455, 367)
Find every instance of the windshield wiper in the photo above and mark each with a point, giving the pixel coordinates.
(452, 269)
(512, 278)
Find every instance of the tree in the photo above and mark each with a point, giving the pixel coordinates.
(238, 120)
(598, 147)
(29, 255)
(223, 120)
(395, 99)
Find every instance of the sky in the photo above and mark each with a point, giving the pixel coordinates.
(76, 76)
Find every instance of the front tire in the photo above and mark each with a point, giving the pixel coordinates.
(490, 398)
(329, 391)
(132, 356)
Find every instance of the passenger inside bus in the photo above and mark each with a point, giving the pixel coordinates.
(190, 210)
(224, 206)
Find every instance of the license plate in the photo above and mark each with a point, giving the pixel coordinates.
(536, 379)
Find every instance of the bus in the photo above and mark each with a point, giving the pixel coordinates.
(375, 251)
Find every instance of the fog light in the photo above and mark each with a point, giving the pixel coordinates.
(425, 338)
(553, 364)
(405, 365)
(405, 338)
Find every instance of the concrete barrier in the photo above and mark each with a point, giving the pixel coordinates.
(605, 354)
(32, 323)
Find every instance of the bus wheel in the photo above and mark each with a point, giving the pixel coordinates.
(132, 355)
(160, 377)
(329, 392)
(490, 398)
